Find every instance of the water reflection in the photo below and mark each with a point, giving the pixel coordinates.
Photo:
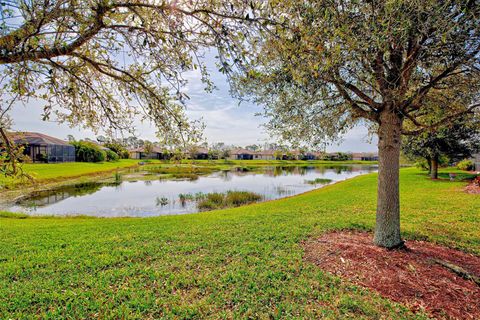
(161, 196)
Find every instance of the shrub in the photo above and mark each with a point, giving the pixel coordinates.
(88, 152)
(119, 149)
(111, 155)
(422, 164)
(466, 165)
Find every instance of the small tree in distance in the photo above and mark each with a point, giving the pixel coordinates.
(457, 141)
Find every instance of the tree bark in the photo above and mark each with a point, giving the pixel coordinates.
(434, 168)
(10, 150)
(387, 228)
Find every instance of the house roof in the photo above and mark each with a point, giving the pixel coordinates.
(35, 138)
(266, 152)
(200, 150)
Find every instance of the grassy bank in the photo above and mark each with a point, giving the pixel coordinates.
(44, 173)
(235, 263)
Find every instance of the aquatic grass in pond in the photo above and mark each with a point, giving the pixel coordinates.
(217, 200)
(187, 176)
(161, 201)
(117, 177)
(318, 181)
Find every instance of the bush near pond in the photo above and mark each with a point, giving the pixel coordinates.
(119, 149)
(88, 152)
(111, 156)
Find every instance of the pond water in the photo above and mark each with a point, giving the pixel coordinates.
(161, 197)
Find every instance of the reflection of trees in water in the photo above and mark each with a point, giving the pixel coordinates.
(48, 197)
(303, 170)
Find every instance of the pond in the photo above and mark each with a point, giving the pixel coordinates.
(143, 198)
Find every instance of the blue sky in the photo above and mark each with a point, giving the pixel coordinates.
(226, 121)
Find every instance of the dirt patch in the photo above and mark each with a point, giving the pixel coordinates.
(410, 276)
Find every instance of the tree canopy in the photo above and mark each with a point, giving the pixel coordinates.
(325, 65)
(101, 63)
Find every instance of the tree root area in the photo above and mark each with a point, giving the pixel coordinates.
(423, 276)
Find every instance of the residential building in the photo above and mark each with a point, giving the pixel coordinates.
(40, 147)
(242, 154)
(156, 153)
(265, 155)
(365, 156)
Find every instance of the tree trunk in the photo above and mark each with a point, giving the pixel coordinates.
(434, 168)
(387, 228)
(10, 150)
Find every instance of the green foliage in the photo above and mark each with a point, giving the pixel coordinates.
(119, 149)
(117, 176)
(88, 152)
(318, 181)
(339, 156)
(216, 200)
(111, 155)
(451, 142)
(466, 165)
(324, 65)
(422, 164)
(234, 263)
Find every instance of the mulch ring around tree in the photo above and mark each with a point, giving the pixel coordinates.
(474, 186)
(444, 282)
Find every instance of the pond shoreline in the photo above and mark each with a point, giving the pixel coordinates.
(152, 191)
(21, 189)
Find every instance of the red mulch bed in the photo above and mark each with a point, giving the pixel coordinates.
(474, 186)
(409, 276)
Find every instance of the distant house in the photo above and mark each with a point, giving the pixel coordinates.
(199, 153)
(365, 156)
(42, 148)
(242, 154)
(156, 153)
(265, 155)
(306, 156)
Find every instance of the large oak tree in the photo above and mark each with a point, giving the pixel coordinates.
(103, 63)
(326, 65)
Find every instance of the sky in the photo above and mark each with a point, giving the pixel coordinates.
(226, 120)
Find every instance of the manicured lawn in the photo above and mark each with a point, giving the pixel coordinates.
(235, 263)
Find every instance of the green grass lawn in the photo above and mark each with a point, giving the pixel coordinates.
(236, 263)
(43, 172)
